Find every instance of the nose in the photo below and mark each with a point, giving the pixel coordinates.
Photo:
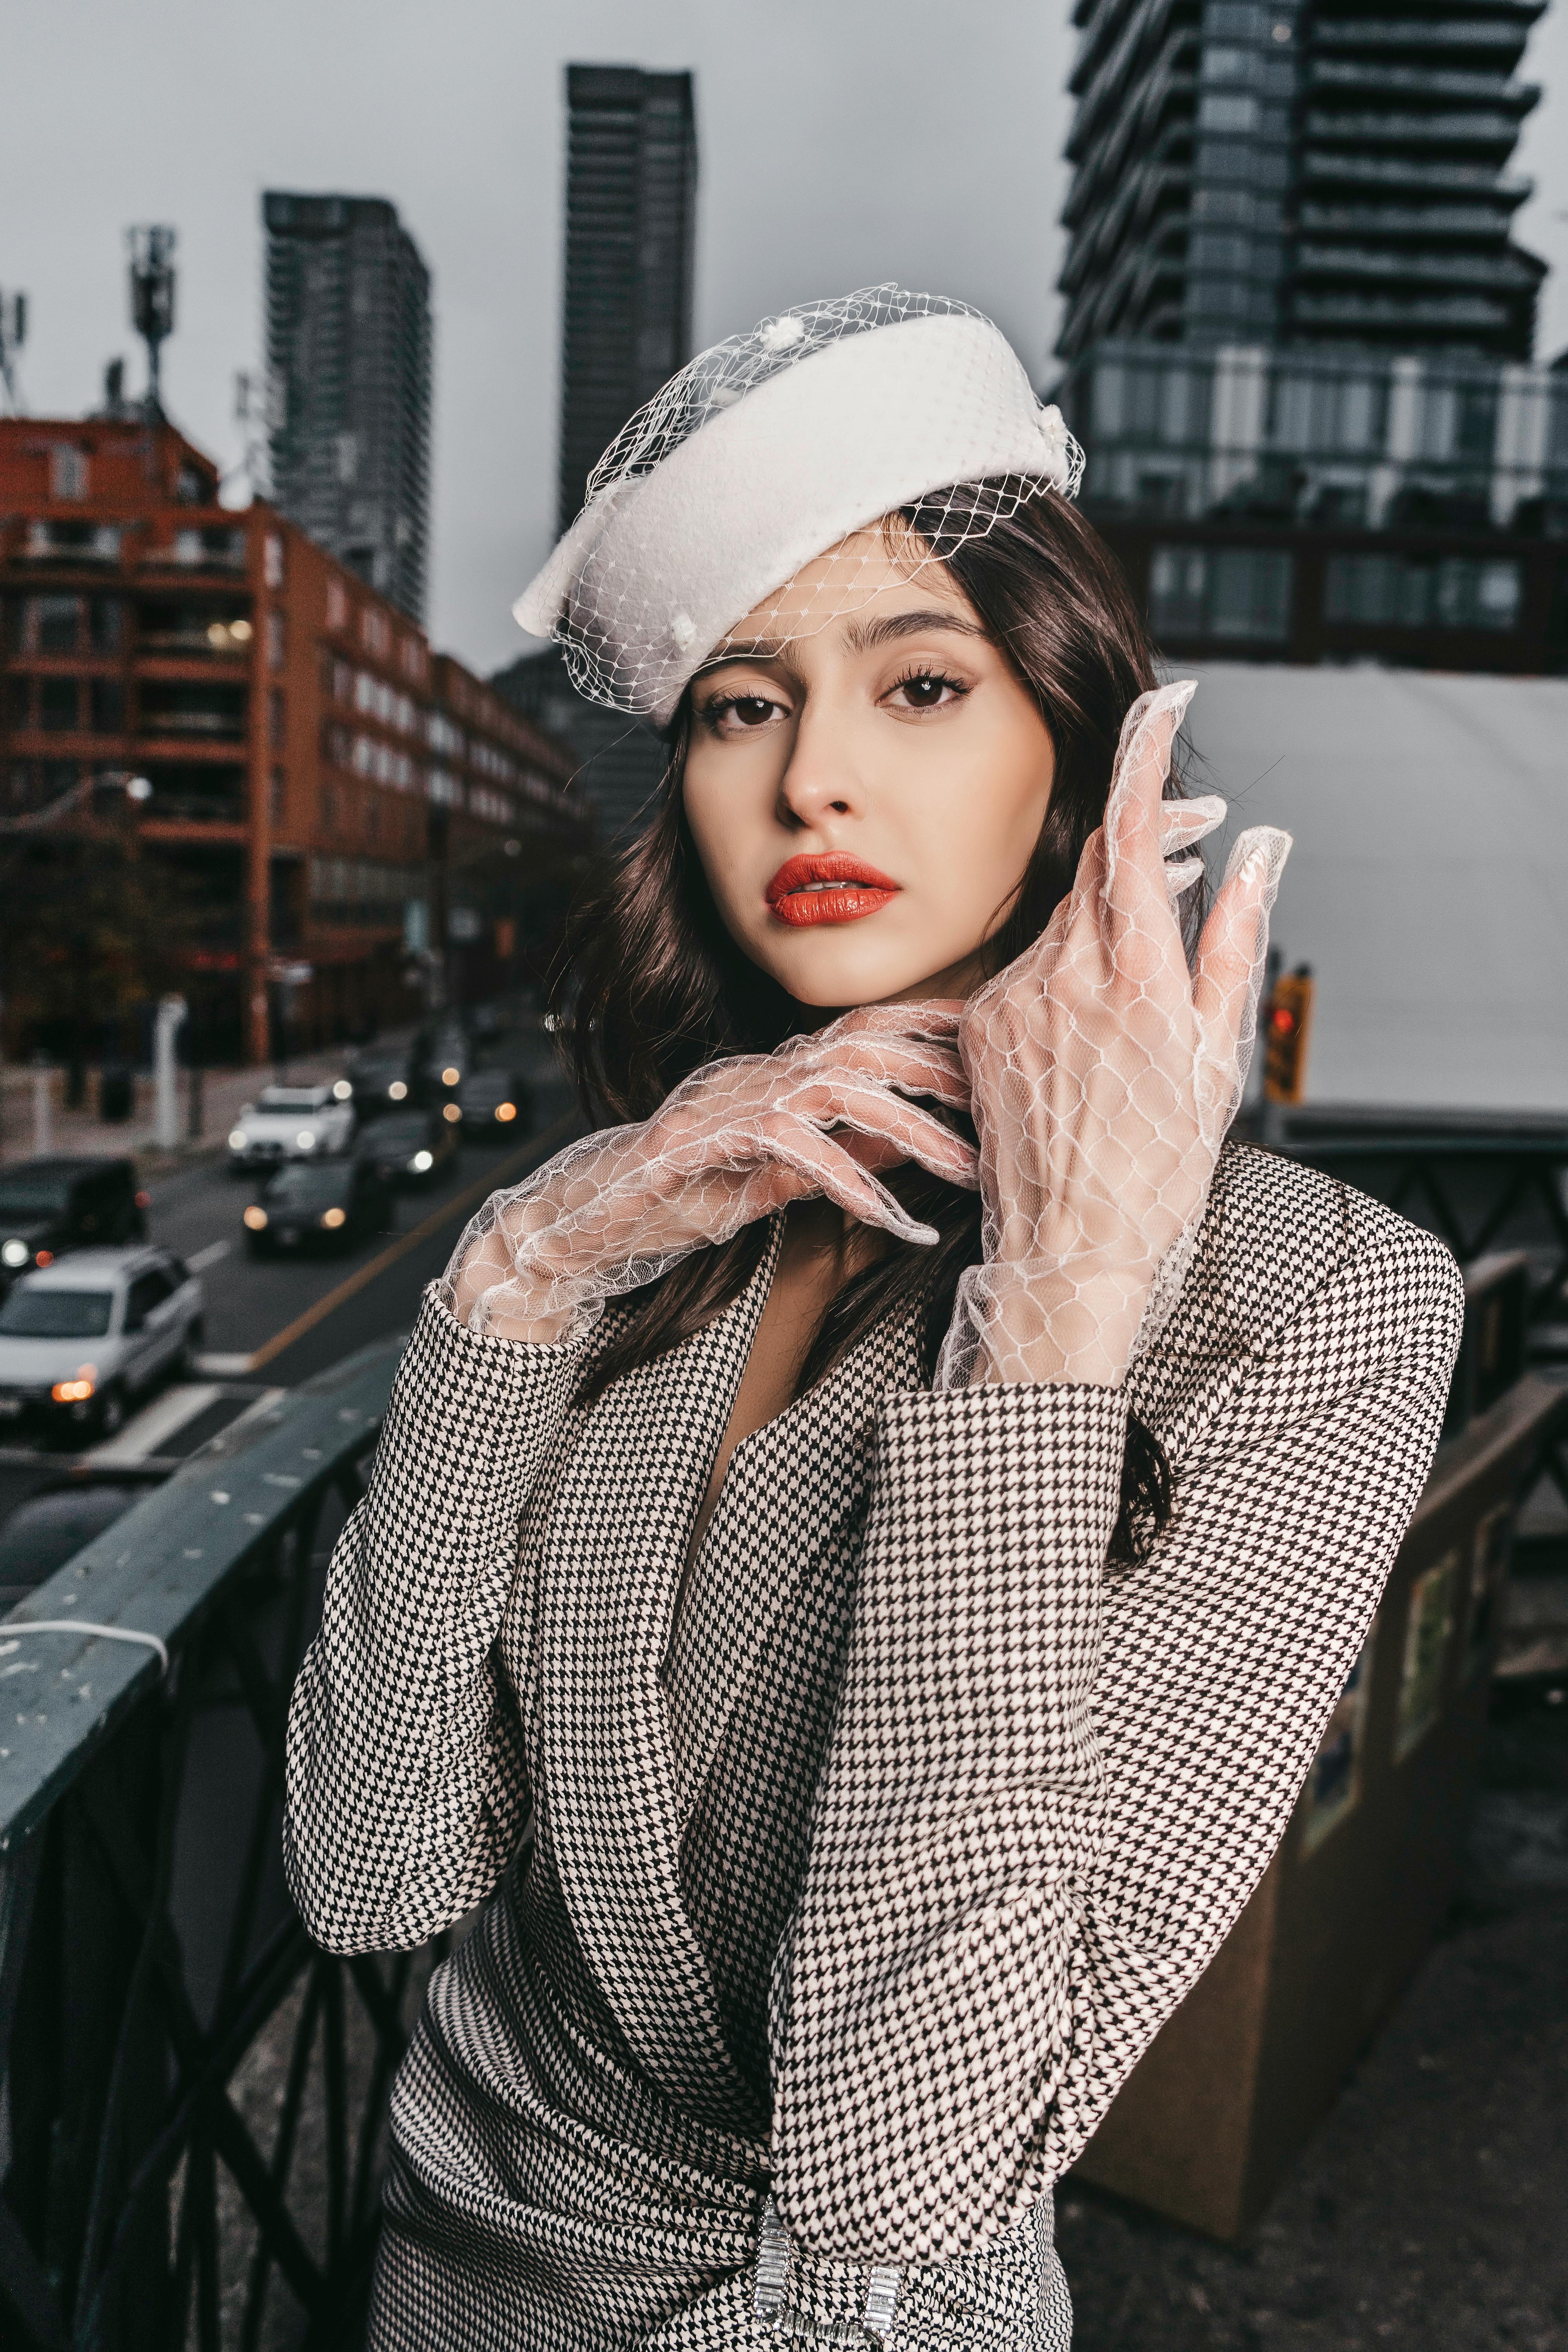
(819, 782)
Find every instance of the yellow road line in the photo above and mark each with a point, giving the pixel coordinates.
(403, 1244)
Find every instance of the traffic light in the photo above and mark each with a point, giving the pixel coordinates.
(1287, 1025)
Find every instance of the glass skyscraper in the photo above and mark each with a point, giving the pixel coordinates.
(1312, 171)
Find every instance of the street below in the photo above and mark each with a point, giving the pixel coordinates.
(272, 1322)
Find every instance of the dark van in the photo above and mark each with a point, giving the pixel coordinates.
(50, 1206)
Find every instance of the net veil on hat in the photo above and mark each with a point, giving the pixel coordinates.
(765, 451)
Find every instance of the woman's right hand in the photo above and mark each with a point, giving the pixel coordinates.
(733, 1142)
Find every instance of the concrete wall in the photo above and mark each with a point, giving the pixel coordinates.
(1428, 887)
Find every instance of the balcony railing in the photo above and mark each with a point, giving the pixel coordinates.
(193, 2096)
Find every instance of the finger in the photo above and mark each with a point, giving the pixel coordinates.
(1228, 971)
(875, 1111)
(833, 1171)
(1181, 873)
(910, 1066)
(1135, 892)
(1183, 823)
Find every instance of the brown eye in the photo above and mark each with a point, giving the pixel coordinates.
(924, 693)
(752, 709)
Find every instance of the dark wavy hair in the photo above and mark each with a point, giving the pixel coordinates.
(652, 985)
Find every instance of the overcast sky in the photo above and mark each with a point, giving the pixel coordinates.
(842, 142)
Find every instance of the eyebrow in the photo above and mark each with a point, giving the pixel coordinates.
(865, 636)
(861, 636)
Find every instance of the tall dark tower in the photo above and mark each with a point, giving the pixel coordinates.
(1299, 172)
(631, 216)
(631, 213)
(349, 345)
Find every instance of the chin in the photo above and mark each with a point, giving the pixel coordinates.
(839, 974)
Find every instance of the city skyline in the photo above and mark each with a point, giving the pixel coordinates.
(811, 182)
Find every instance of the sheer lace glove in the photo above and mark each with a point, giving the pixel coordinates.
(1103, 1075)
(733, 1142)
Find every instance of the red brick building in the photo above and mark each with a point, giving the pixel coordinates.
(346, 800)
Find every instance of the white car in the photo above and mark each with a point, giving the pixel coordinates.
(293, 1123)
(81, 1339)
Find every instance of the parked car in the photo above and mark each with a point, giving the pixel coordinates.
(384, 1082)
(324, 1204)
(292, 1123)
(80, 1339)
(52, 1526)
(409, 1147)
(496, 1106)
(50, 1206)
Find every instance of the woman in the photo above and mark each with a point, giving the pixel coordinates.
(863, 1552)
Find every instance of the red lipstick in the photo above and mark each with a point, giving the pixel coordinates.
(829, 887)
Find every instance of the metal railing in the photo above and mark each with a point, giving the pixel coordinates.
(193, 2097)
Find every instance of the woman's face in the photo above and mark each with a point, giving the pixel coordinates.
(865, 798)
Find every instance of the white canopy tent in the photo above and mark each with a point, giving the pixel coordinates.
(1428, 887)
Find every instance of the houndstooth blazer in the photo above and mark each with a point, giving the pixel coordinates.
(823, 1925)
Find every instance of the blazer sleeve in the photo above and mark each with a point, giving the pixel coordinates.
(406, 1786)
(1052, 1787)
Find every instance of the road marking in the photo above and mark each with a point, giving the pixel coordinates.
(487, 1183)
(224, 1368)
(209, 1256)
(147, 1431)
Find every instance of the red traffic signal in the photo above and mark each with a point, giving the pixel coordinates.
(1287, 1025)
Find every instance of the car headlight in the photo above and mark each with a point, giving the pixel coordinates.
(421, 1161)
(74, 1391)
(334, 1218)
(449, 1077)
(342, 1091)
(452, 1113)
(256, 1218)
(14, 1254)
(305, 1140)
(505, 1111)
(237, 1139)
(398, 1091)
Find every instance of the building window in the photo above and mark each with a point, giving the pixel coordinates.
(272, 559)
(275, 640)
(337, 605)
(276, 796)
(1237, 592)
(18, 702)
(106, 617)
(375, 631)
(73, 542)
(1395, 591)
(53, 623)
(59, 704)
(68, 471)
(108, 695)
(1226, 111)
(276, 718)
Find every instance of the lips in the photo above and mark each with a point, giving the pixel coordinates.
(831, 888)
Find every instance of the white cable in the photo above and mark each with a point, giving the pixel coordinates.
(10, 1627)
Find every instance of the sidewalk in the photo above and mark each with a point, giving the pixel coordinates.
(223, 1093)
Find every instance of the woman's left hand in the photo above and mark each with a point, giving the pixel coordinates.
(1103, 1076)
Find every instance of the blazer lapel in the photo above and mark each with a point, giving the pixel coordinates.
(796, 1492)
(611, 1563)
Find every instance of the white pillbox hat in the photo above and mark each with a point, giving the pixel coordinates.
(767, 450)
